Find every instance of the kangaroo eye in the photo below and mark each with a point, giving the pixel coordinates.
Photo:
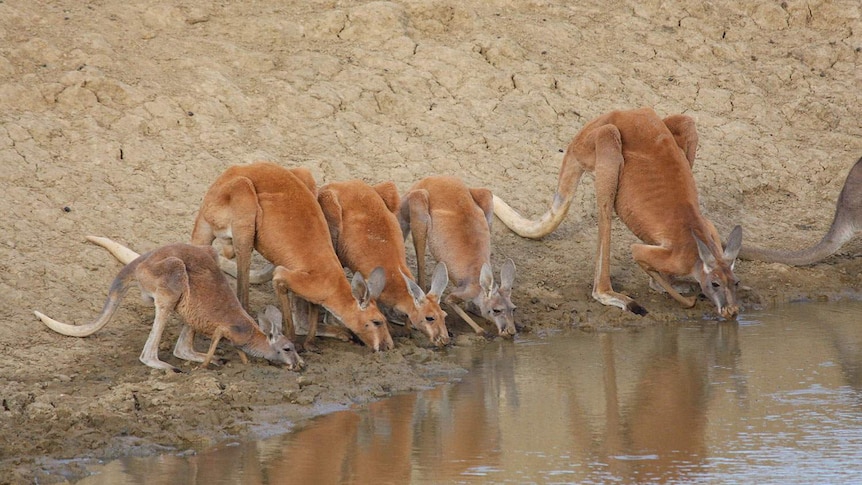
(496, 311)
(377, 323)
(715, 284)
(430, 319)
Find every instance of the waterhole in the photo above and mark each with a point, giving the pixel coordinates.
(773, 398)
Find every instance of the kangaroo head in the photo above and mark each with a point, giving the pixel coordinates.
(368, 323)
(495, 301)
(284, 352)
(426, 314)
(281, 349)
(716, 277)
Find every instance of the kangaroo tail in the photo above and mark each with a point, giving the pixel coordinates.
(845, 224)
(570, 175)
(119, 287)
(122, 253)
(833, 240)
(256, 276)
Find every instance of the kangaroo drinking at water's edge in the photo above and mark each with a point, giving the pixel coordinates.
(455, 223)
(642, 166)
(185, 279)
(366, 234)
(273, 209)
(846, 223)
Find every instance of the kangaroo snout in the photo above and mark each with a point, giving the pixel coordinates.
(729, 312)
(508, 331)
(441, 340)
(384, 344)
(295, 363)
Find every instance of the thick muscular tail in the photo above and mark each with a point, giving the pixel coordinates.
(570, 175)
(122, 253)
(845, 224)
(119, 287)
(833, 240)
(255, 276)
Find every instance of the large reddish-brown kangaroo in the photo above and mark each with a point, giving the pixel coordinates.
(846, 223)
(366, 235)
(185, 279)
(274, 210)
(642, 166)
(455, 222)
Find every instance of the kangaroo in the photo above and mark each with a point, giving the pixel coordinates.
(846, 223)
(126, 256)
(642, 166)
(185, 279)
(366, 234)
(274, 210)
(455, 222)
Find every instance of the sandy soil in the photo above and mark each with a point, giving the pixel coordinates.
(116, 116)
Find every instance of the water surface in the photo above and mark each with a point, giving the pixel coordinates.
(774, 398)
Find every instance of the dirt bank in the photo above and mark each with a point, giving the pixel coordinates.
(115, 117)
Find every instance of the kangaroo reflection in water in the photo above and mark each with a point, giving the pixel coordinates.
(843, 335)
(462, 423)
(346, 447)
(664, 404)
(653, 400)
(667, 415)
(654, 403)
(456, 427)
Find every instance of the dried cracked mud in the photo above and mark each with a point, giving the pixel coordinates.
(116, 116)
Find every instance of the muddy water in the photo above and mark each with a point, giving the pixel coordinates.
(776, 398)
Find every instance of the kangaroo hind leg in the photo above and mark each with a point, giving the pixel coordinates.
(657, 261)
(416, 215)
(685, 134)
(167, 280)
(609, 163)
(231, 212)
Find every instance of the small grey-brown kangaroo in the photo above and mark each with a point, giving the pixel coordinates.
(186, 279)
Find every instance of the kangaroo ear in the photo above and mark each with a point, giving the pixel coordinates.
(273, 314)
(734, 243)
(705, 254)
(415, 290)
(507, 275)
(440, 280)
(263, 323)
(269, 320)
(486, 278)
(376, 282)
(360, 290)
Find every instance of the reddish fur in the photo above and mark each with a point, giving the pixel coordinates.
(455, 223)
(275, 211)
(655, 179)
(367, 235)
(461, 236)
(642, 165)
